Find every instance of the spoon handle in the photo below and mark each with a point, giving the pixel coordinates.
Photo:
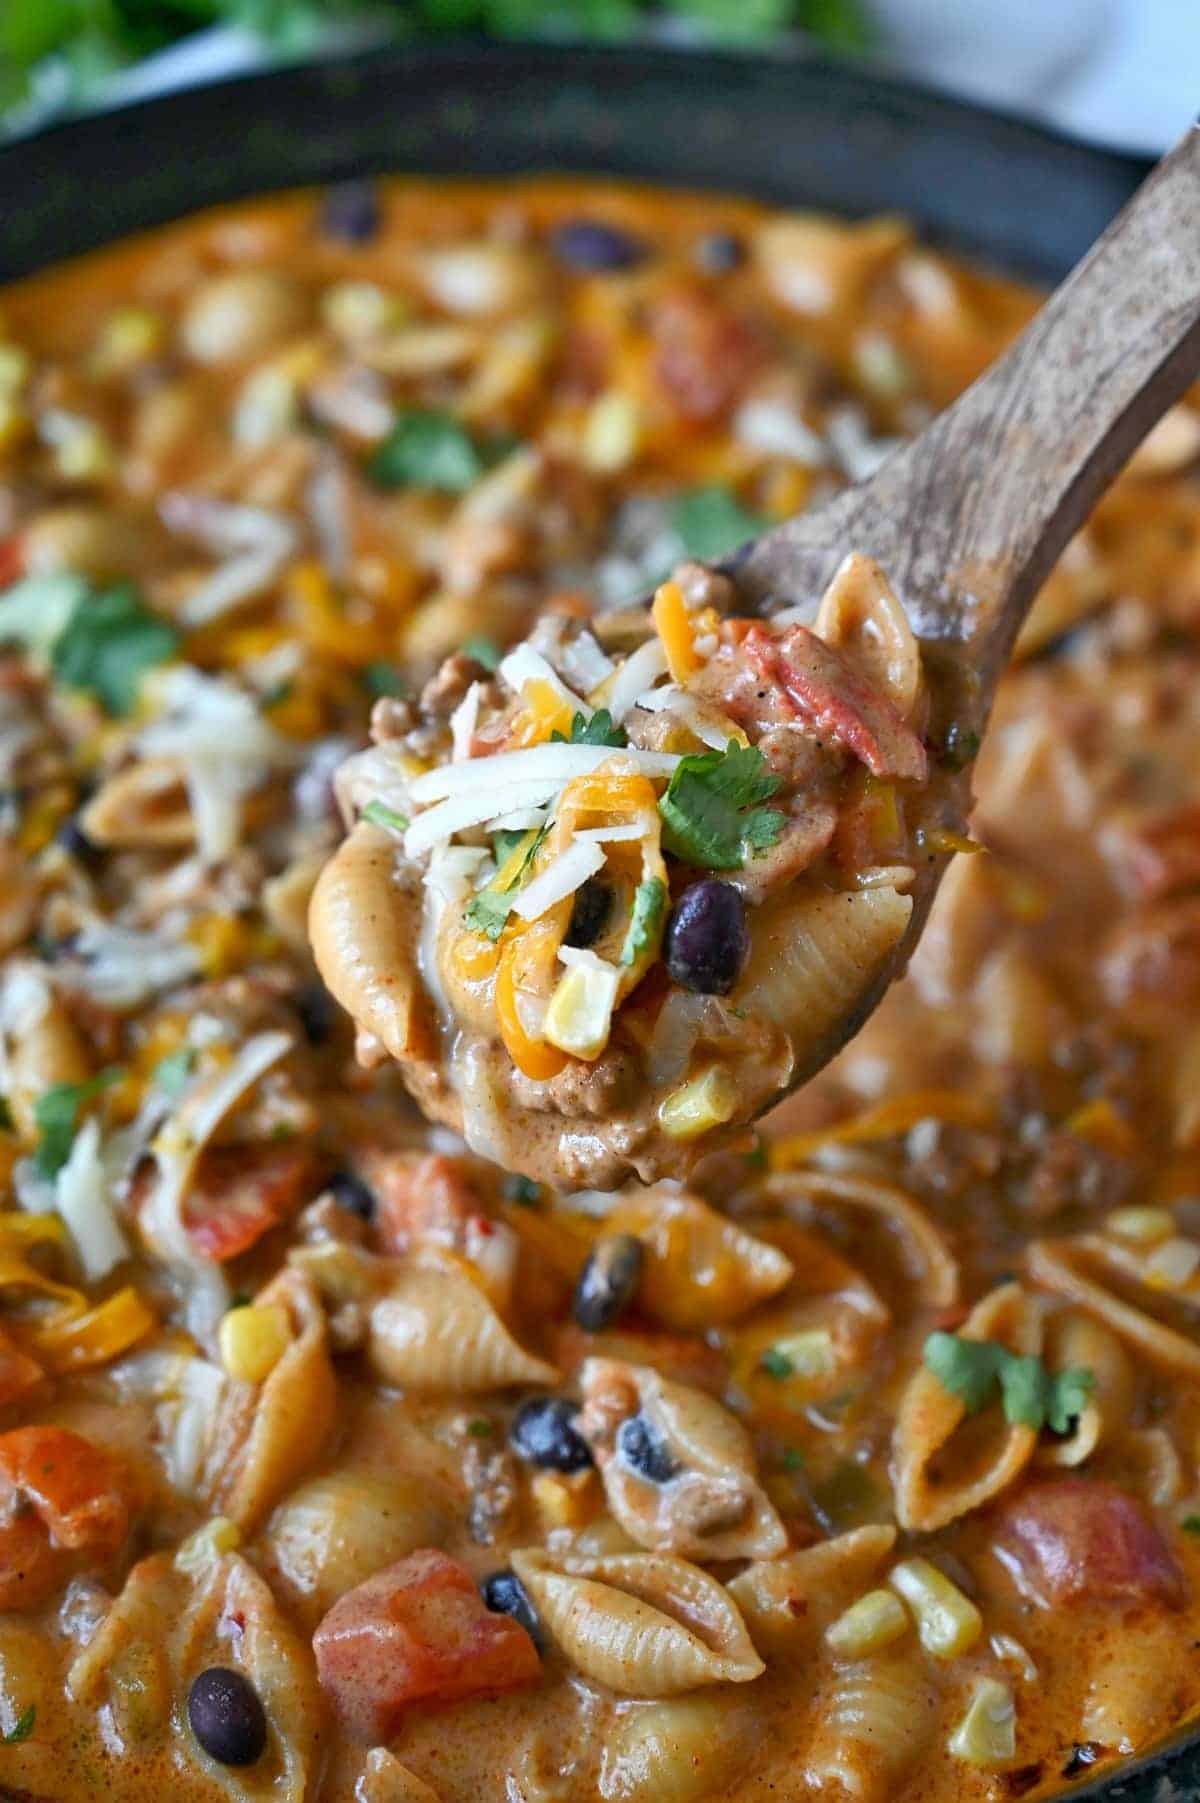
(970, 517)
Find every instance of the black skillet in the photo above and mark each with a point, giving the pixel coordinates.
(798, 131)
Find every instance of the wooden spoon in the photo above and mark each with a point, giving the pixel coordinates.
(968, 519)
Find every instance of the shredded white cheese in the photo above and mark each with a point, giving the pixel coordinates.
(561, 877)
(82, 1198)
(255, 542)
(462, 722)
(638, 673)
(124, 969)
(523, 664)
(462, 811)
(554, 764)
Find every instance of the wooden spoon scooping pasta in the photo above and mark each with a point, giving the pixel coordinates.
(467, 958)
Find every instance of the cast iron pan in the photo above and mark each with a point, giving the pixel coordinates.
(799, 131)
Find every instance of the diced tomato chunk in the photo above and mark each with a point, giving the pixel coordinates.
(60, 1496)
(416, 1634)
(241, 1192)
(1081, 1537)
(833, 701)
(12, 560)
(419, 1197)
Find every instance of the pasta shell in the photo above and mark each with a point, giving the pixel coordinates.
(872, 1727)
(365, 927)
(789, 1602)
(712, 1505)
(676, 1752)
(143, 806)
(1099, 1276)
(932, 1487)
(270, 1435)
(1136, 1687)
(1075, 1340)
(925, 1259)
(435, 1330)
(815, 956)
(643, 1624)
(384, 1780)
(699, 1269)
(861, 616)
(336, 1531)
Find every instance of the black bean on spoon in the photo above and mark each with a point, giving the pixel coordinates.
(608, 1282)
(226, 1716)
(543, 1432)
(590, 246)
(504, 1594)
(707, 938)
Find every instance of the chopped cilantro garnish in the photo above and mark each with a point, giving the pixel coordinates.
(756, 1157)
(276, 695)
(379, 814)
(107, 646)
(980, 1371)
(599, 730)
(1191, 1524)
(480, 1428)
(6, 1118)
(428, 449)
(792, 1459)
(649, 905)
(490, 907)
(712, 810)
(505, 842)
(22, 1728)
(172, 1072)
(57, 1116)
(382, 679)
(483, 650)
(711, 521)
(960, 746)
(776, 1363)
(522, 1190)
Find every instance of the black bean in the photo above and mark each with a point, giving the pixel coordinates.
(318, 1013)
(645, 1451)
(226, 1716)
(608, 1282)
(707, 939)
(351, 212)
(542, 1432)
(351, 1193)
(719, 252)
(504, 1594)
(75, 842)
(593, 247)
(591, 909)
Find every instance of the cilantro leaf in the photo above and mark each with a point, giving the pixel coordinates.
(1191, 1524)
(521, 1190)
(22, 1728)
(712, 812)
(172, 1072)
(709, 522)
(776, 1363)
(649, 905)
(56, 1113)
(108, 644)
(505, 842)
(487, 911)
(490, 907)
(379, 814)
(382, 679)
(599, 730)
(428, 449)
(982, 1371)
(482, 649)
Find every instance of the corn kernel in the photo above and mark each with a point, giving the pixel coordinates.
(948, 1623)
(610, 433)
(1102, 1124)
(987, 1734)
(871, 1623)
(809, 1354)
(706, 1102)
(1172, 1264)
(360, 310)
(565, 1500)
(129, 336)
(253, 1339)
(83, 451)
(206, 1545)
(14, 370)
(224, 943)
(579, 1017)
(1144, 1226)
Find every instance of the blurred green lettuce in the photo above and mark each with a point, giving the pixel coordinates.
(66, 49)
